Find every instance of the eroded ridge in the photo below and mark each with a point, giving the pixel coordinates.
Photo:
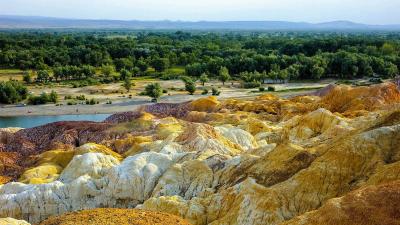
(263, 161)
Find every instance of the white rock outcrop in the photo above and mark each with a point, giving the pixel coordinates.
(122, 185)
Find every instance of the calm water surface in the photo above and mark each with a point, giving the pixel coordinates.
(33, 121)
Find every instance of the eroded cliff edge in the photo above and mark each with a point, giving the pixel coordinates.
(262, 161)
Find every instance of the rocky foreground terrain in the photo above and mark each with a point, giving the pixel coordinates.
(331, 157)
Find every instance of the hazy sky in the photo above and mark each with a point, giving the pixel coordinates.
(365, 11)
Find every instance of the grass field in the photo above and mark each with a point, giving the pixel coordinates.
(7, 74)
(177, 70)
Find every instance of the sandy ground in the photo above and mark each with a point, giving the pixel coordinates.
(121, 102)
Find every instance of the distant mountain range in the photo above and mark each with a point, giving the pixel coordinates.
(35, 22)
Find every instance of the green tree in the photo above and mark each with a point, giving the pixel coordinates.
(123, 63)
(263, 76)
(294, 71)
(43, 76)
(215, 91)
(125, 74)
(53, 97)
(186, 79)
(224, 75)
(317, 72)
(390, 70)
(127, 84)
(27, 77)
(388, 49)
(203, 79)
(283, 75)
(190, 87)
(43, 98)
(59, 73)
(273, 75)
(195, 69)
(107, 70)
(12, 92)
(154, 91)
(87, 71)
(142, 65)
(160, 64)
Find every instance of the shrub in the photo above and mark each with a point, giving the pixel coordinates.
(71, 102)
(91, 102)
(39, 100)
(164, 91)
(12, 92)
(215, 92)
(186, 79)
(153, 90)
(376, 80)
(261, 89)
(43, 98)
(344, 82)
(271, 88)
(205, 92)
(125, 74)
(80, 97)
(67, 97)
(107, 70)
(27, 77)
(91, 81)
(190, 87)
(253, 84)
(203, 78)
(53, 97)
(168, 76)
(127, 84)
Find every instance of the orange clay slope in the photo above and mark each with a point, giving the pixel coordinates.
(115, 217)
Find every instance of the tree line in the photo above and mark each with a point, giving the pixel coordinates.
(275, 55)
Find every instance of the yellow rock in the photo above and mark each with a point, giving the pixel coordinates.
(11, 221)
(255, 126)
(267, 97)
(96, 148)
(193, 211)
(168, 126)
(49, 166)
(189, 179)
(144, 123)
(208, 104)
(131, 143)
(44, 173)
(146, 116)
(201, 137)
(370, 205)
(58, 157)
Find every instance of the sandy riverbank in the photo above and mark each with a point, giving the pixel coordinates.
(116, 107)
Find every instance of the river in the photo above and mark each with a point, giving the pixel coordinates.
(33, 121)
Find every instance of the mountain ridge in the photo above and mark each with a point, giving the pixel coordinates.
(38, 22)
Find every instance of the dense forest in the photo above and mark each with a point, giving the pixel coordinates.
(251, 57)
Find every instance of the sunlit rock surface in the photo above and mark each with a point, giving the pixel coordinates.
(11, 221)
(115, 216)
(369, 205)
(313, 159)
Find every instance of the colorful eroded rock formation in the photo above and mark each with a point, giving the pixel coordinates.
(323, 158)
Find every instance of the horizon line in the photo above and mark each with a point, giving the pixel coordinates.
(197, 21)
